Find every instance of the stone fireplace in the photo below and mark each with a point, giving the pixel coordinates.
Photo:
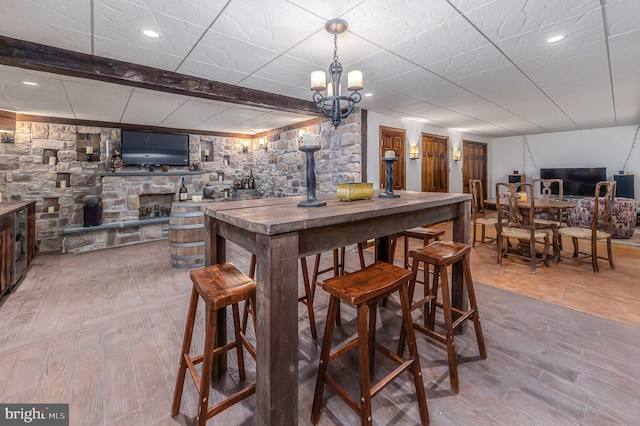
(154, 205)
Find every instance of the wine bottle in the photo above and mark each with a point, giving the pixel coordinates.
(252, 181)
(182, 196)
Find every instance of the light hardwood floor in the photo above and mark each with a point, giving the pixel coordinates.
(102, 331)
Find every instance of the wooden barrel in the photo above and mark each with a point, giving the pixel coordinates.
(186, 235)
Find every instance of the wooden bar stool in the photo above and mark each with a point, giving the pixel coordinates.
(310, 285)
(219, 286)
(363, 289)
(419, 233)
(442, 254)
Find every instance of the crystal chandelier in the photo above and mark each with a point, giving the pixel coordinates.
(332, 103)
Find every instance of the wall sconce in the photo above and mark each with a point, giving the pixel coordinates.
(456, 155)
(414, 152)
(245, 147)
(262, 144)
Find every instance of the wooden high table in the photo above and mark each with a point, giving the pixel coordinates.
(279, 233)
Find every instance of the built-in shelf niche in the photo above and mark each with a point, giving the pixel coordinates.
(50, 157)
(88, 147)
(206, 152)
(220, 176)
(225, 160)
(63, 180)
(50, 205)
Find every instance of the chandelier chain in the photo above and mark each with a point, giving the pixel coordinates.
(335, 46)
(527, 149)
(633, 145)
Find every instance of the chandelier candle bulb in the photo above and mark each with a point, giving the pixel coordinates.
(354, 80)
(318, 80)
(389, 154)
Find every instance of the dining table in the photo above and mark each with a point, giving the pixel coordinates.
(542, 203)
(279, 232)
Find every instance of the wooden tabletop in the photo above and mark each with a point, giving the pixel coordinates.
(281, 215)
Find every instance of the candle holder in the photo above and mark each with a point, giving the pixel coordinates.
(89, 158)
(388, 190)
(311, 201)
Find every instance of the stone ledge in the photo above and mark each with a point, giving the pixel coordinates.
(139, 173)
(77, 229)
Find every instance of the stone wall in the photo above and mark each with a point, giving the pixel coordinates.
(26, 174)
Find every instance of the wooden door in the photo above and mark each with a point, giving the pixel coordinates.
(392, 139)
(474, 165)
(435, 163)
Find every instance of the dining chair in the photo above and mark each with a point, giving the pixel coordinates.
(600, 227)
(516, 205)
(547, 189)
(478, 216)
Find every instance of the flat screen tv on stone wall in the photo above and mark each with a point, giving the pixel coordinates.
(157, 149)
(576, 182)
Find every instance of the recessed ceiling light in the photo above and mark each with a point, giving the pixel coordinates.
(368, 95)
(555, 38)
(30, 83)
(150, 33)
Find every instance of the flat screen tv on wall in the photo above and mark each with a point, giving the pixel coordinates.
(576, 182)
(151, 148)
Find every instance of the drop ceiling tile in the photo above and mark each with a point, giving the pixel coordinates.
(508, 76)
(151, 108)
(211, 72)
(135, 54)
(440, 43)
(381, 66)
(465, 6)
(199, 12)
(416, 83)
(286, 69)
(384, 98)
(193, 112)
(419, 109)
(578, 31)
(275, 24)
(579, 69)
(386, 23)
(327, 9)
(230, 53)
(5, 104)
(507, 18)
(470, 63)
(48, 96)
(625, 63)
(97, 101)
(447, 94)
(121, 22)
(64, 24)
(278, 87)
(622, 17)
(318, 49)
(228, 120)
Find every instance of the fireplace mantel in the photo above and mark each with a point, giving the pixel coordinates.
(143, 173)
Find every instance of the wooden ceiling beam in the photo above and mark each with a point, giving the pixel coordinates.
(40, 57)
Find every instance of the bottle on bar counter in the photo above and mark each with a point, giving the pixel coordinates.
(182, 195)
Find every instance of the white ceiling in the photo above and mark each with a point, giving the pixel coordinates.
(479, 65)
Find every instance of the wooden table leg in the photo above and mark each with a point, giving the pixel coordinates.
(277, 334)
(461, 229)
(216, 252)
